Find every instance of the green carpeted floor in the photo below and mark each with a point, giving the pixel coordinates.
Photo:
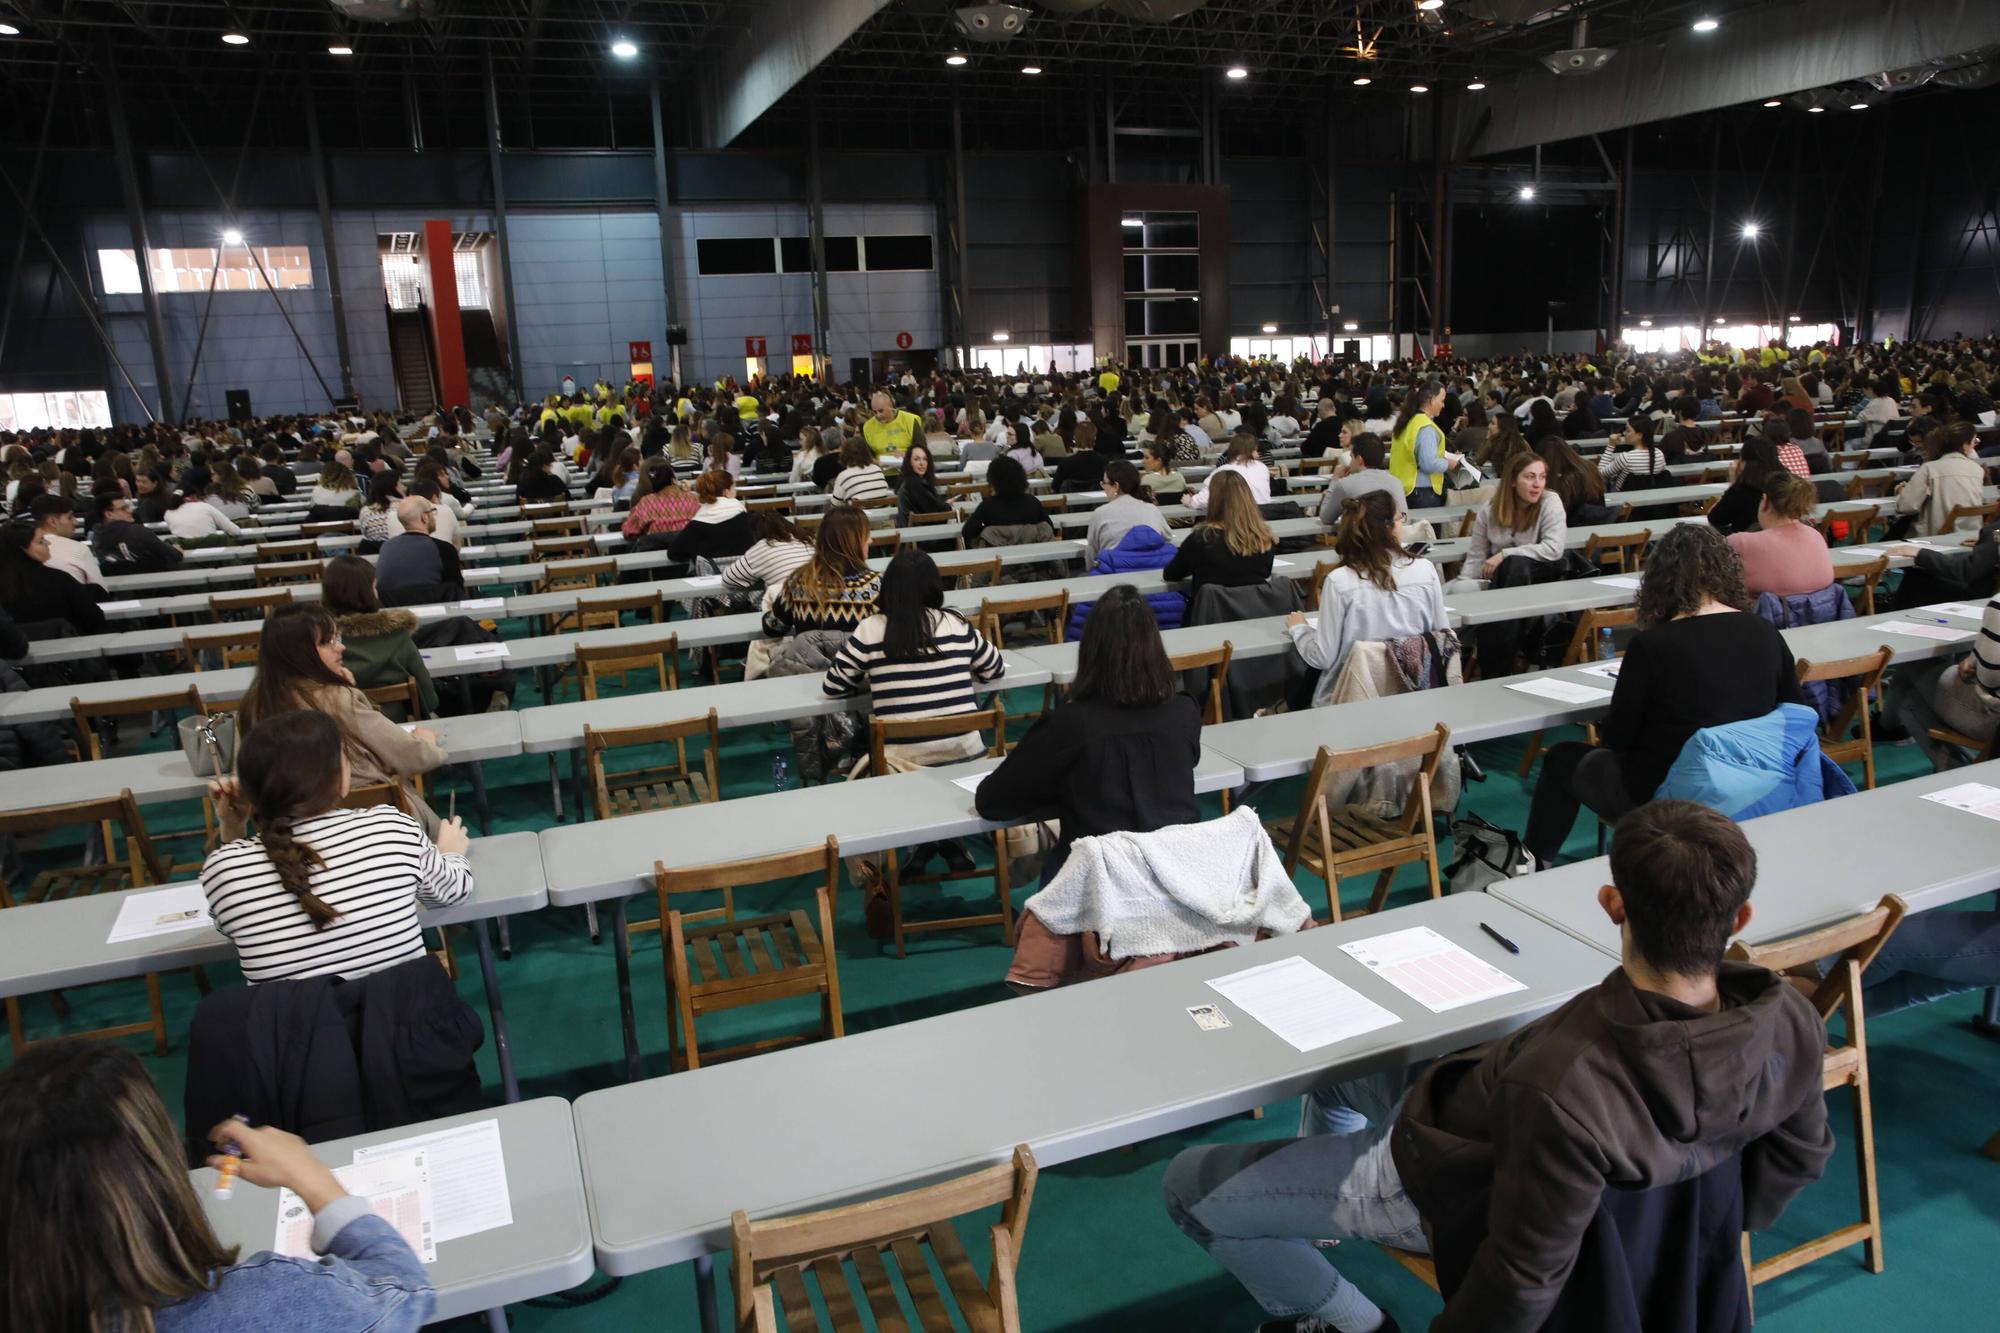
(1100, 1253)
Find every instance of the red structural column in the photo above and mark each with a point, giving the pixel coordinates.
(447, 333)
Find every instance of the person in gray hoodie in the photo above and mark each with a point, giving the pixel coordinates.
(1675, 1063)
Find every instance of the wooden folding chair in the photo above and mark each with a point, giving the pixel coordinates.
(983, 574)
(561, 548)
(560, 525)
(945, 516)
(1857, 521)
(994, 613)
(911, 1232)
(1320, 571)
(238, 648)
(1973, 517)
(1583, 648)
(594, 663)
(979, 490)
(748, 960)
(1868, 577)
(884, 732)
(140, 865)
(777, 504)
(1852, 944)
(404, 695)
(545, 509)
(1332, 841)
(275, 551)
(646, 605)
(247, 605)
(631, 791)
(1865, 675)
(285, 572)
(574, 576)
(884, 543)
(327, 528)
(1980, 751)
(1714, 476)
(1215, 661)
(1623, 553)
(1871, 488)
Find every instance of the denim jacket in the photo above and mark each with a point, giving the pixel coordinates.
(369, 1281)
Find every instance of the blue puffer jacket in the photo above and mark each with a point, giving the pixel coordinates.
(1756, 767)
(1141, 548)
(1829, 604)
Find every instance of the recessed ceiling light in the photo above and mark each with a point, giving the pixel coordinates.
(1420, 87)
(1645, 323)
(1430, 4)
(1774, 102)
(1706, 25)
(1815, 109)
(1527, 192)
(232, 237)
(1476, 86)
(1270, 328)
(1031, 69)
(1001, 335)
(9, 30)
(1791, 319)
(1720, 321)
(1858, 106)
(1131, 222)
(1350, 326)
(1362, 80)
(235, 39)
(955, 58)
(624, 48)
(1237, 72)
(1750, 230)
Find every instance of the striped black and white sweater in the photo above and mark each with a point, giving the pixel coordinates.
(379, 867)
(940, 684)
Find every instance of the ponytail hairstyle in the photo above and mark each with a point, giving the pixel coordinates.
(291, 769)
(1366, 538)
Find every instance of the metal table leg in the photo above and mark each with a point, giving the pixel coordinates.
(704, 1290)
(506, 939)
(496, 1320)
(555, 789)
(510, 1087)
(621, 946)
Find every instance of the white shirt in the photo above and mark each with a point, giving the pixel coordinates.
(1231, 420)
(73, 558)
(1352, 610)
(194, 519)
(1254, 472)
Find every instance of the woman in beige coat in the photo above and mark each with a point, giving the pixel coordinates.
(299, 666)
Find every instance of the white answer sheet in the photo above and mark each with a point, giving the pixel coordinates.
(1562, 691)
(396, 1185)
(1430, 969)
(165, 911)
(1302, 1004)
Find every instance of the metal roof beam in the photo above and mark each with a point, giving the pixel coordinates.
(780, 43)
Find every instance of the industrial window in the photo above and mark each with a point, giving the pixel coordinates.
(897, 254)
(469, 266)
(732, 256)
(402, 278)
(843, 254)
(289, 267)
(71, 409)
(1154, 317)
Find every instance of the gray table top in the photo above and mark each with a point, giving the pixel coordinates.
(46, 946)
(164, 775)
(546, 1249)
(614, 858)
(1817, 864)
(958, 1103)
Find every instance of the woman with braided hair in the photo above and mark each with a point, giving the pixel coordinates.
(319, 889)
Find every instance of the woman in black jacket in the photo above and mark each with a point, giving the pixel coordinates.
(1118, 754)
(1010, 505)
(1736, 511)
(538, 484)
(720, 529)
(916, 488)
(1234, 546)
(33, 594)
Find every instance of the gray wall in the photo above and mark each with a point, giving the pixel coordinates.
(585, 285)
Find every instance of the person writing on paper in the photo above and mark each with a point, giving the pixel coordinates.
(1378, 591)
(299, 667)
(1701, 659)
(1118, 754)
(85, 1138)
(1519, 538)
(1496, 1158)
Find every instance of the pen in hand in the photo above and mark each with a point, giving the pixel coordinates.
(1500, 939)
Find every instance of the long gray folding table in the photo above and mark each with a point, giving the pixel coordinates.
(610, 860)
(545, 1249)
(47, 946)
(1817, 864)
(1114, 1062)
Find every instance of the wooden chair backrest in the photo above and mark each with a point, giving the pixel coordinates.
(874, 502)
(375, 793)
(1858, 520)
(1216, 662)
(1054, 504)
(1714, 476)
(238, 648)
(884, 732)
(819, 860)
(544, 509)
(1865, 671)
(1981, 514)
(761, 1248)
(1428, 749)
(598, 740)
(1627, 551)
(87, 714)
(327, 528)
(884, 541)
(992, 612)
(577, 574)
(404, 692)
(927, 520)
(1850, 457)
(1854, 941)
(287, 550)
(984, 574)
(1862, 488)
(982, 489)
(235, 603)
(782, 504)
(288, 571)
(610, 610)
(1582, 643)
(560, 548)
(1320, 571)
(563, 525)
(147, 866)
(661, 655)
(1870, 576)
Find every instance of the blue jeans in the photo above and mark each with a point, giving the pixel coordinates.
(1257, 1208)
(1932, 955)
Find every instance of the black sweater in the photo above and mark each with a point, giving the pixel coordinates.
(1204, 558)
(1736, 509)
(1102, 769)
(48, 594)
(717, 541)
(537, 487)
(1002, 511)
(1679, 677)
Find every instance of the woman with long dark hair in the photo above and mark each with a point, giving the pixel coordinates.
(537, 484)
(916, 489)
(1118, 754)
(320, 890)
(39, 598)
(660, 509)
(1700, 659)
(1736, 511)
(835, 590)
(299, 666)
(85, 1138)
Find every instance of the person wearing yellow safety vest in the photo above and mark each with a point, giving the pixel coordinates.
(889, 431)
(1108, 382)
(1417, 456)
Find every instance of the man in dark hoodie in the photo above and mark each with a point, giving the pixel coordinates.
(1674, 1063)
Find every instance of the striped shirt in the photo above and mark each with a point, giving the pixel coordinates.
(1619, 465)
(937, 685)
(768, 563)
(379, 867)
(861, 483)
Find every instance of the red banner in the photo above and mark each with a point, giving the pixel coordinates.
(802, 344)
(753, 347)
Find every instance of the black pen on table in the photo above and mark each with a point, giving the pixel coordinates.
(1500, 939)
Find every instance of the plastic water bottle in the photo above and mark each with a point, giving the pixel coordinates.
(781, 773)
(1606, 650)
